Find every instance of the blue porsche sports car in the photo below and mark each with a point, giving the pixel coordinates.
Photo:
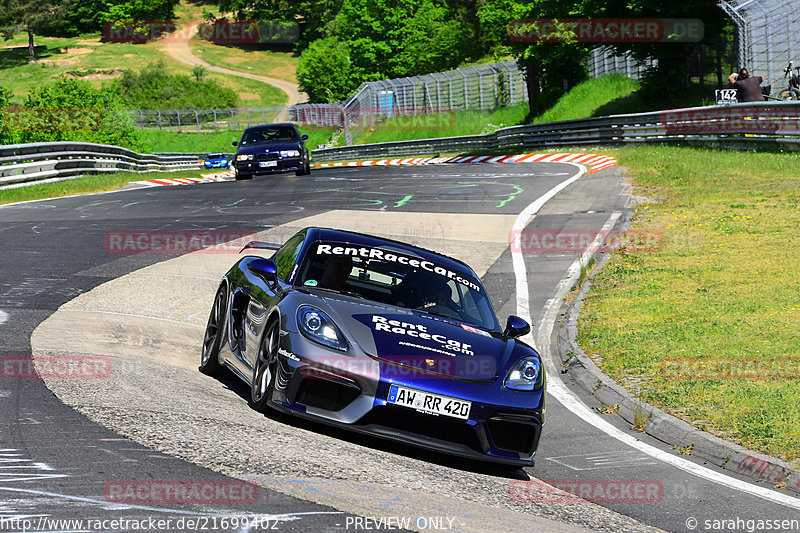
(380, 337)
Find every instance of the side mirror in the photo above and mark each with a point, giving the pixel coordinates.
(516, 327)
(304, 137)
(235, 143)
(264, 268)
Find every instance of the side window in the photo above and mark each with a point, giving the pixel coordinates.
(287, 256)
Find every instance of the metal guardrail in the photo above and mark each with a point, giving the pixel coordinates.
(40, 161)
(771, 125)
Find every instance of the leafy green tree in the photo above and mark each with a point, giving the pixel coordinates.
(325, 72)
(5, 102)
(114, 10)
(71, 110)
(154, 88)
(312, 16)
(549, 66)
(391, 38)
(30, 16)
(669, 79)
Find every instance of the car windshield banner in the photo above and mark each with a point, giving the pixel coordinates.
(379, 254)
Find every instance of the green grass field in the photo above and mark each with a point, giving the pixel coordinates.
(253, 59)
(100, 62)
(687, 324)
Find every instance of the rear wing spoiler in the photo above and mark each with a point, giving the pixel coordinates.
(260, 245)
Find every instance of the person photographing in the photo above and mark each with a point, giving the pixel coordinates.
(748, 87)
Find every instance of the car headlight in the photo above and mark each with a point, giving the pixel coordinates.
(318, 327)
(525, 375)
(290, 153)
(223, 162)
(244, 157)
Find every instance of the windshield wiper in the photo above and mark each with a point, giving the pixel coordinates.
(342, 291)
(440, 314)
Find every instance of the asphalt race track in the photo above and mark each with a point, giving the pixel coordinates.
(67, 443)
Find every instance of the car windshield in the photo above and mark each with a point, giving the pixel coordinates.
(391, 276)
(268, 134)
(215, 156)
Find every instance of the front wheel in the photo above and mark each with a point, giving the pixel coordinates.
(212, 338)
(238, 176)
(786, 95)
(264, 371)
(305, 170)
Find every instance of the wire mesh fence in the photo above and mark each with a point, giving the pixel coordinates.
(207, 120)
(766, 35)
(603, 60)
(482, 87)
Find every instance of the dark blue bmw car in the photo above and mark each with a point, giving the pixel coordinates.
(380, 337)
(271, 148)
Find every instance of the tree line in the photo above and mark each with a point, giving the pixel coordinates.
(343, 43)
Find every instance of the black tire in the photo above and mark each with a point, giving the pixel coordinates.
(785, 95)
(263, 381)
(306, 170)
(212, 338)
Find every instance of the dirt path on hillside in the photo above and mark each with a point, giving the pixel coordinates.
(179, 49)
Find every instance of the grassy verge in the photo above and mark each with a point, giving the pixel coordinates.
(86, 184)
(593, 98)
(169, 141)
(706, 325)
(253, 93)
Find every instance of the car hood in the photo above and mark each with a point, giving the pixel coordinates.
(418, 342)
(274, 146)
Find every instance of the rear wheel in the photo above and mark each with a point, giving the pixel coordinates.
(264, 372)
(212, 339)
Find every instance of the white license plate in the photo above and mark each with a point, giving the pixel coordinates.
(427, 402)
(263, 164)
